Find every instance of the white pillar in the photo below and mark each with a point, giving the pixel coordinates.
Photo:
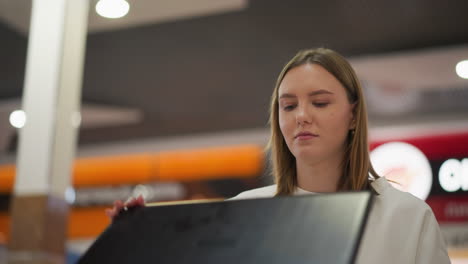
(51, 97)
(51, 101)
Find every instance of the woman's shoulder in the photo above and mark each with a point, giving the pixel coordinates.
(390, 197)
(263, 192)
(401, 217)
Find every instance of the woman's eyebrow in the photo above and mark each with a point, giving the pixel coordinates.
(286, 95)
(317, 92)
(321, 91)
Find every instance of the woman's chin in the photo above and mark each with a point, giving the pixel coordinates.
(306, 155)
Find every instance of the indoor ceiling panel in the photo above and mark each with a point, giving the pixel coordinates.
(16, 13)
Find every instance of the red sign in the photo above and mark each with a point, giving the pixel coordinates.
(449, 209)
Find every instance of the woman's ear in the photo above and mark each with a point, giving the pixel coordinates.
(352, 124)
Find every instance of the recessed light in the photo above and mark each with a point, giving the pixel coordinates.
(112, 8)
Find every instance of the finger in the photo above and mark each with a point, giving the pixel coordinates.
(129, 201)
(110, 213)
(140, 200)
(140, 197)
(118, 205)
(132, 203)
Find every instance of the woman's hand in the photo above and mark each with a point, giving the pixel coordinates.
(120, 206)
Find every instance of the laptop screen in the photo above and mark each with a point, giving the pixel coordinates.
(292, 229)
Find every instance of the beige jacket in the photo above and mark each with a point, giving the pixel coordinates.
(401, 228)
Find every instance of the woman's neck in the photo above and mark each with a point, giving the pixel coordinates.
(321, 176)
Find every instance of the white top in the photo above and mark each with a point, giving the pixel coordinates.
(401, 228)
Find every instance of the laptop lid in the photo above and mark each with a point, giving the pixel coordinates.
(294, 229)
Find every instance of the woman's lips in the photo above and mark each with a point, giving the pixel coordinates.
(305, 136)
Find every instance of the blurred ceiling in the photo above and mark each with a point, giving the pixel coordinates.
(192, 67)
(16, 13)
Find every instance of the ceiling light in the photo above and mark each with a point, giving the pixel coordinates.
(18, 118)
(112, 8)
(462, 69)
(70, 195)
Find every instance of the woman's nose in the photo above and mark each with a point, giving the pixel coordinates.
(303, 116)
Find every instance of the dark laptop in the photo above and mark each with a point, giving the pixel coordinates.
(295, 229)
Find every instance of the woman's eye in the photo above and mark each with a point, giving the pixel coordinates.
(288, 107)
(320, 104)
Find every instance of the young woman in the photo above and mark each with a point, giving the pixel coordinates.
(318, 144)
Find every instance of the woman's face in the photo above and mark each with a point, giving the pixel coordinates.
(315, 115)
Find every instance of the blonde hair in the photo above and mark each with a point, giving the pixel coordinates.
(357, 168)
